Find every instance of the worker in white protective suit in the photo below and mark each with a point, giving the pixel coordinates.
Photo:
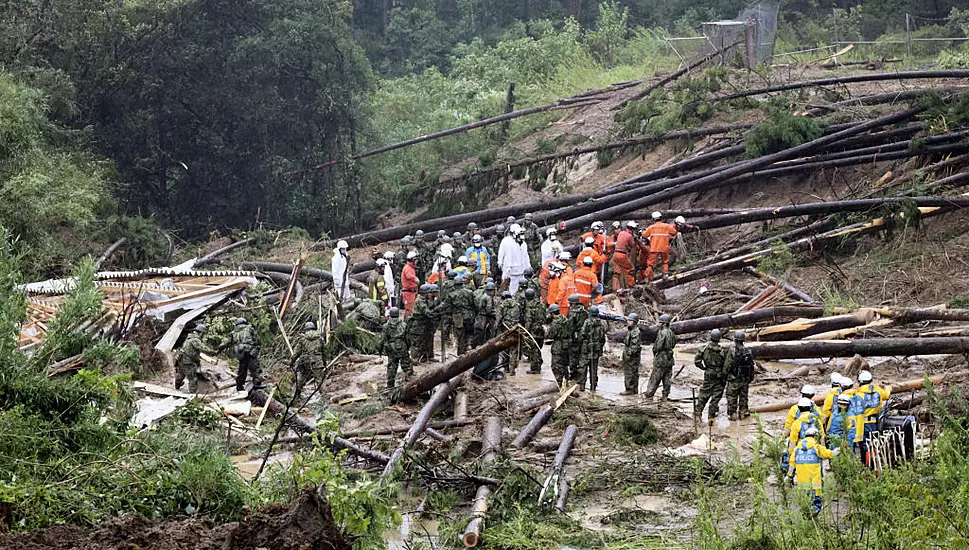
(443, 260)
(340, 268)
(389, 278)
(548, 251)
(513, 259)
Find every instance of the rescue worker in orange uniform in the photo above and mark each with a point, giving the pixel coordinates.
(659, 235)
(598, 235)
(587, 283)
(566, 288)
(589, 251)
(556, 270)
(624, 258)
(409, 283)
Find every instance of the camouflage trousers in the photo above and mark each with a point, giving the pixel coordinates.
(560, 367)
(589, 368)
(711, 391)
(630, 367)
(660, 375)
(248, 366)
(737, 397)
(395, 361)
(187, 371)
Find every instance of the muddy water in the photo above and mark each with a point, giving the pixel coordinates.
(248, 464)
(412, 530)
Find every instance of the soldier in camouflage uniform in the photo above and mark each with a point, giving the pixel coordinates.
(423, 322)
(531, 281)
(189, 359)
(593, 340)
(533, 239)
(460, 307)
(559, 337)
(710, 360)
(632, 355)
(393, 344)
(577, 317)
(509, 315)
(485, 314)
(367, 316)
(533, 313)
(662, 360)
(446, 285)
(245, 347)
(738, 363)
(308, 353)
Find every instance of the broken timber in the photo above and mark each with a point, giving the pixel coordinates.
(491, 443)
(565, 448)
(902, 347)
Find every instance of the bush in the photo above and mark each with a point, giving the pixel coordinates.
(781, 131)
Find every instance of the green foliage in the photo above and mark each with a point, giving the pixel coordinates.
(637, 429)
(49, 184)
(686, 106)
(961, 302)
(612, 26)
(780, 131)
(360, 504)
(778, 261)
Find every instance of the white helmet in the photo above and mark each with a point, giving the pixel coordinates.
(807, 390)
(446, 250)
(616, 225)
(587, 260)
(864, 377)
(812, 431)
(381, 262)
(343, 245)
(804, 403)
(515, 229)
(558, 266)
(412, 254)
(632, 225)
(565, 256)
(835, 378)
(556, 246)
(597, 225)
(846, 382)
(462, 260)
(657, 215)
(389, 255)
(589, 241)
(550, 231)
(680, 220)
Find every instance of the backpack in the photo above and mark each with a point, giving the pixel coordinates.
(743, 367)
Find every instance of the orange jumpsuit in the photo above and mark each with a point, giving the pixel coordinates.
(566, 289)
(545, 279)
(586, 283)
(623, 260)
(660, 234)
(600, 241)
(597, 258)
(408, 285)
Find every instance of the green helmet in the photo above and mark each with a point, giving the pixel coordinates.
(739, 336)
(574, 299)
(665, 319)
(200, 328)
(529, 293)
(395, 312)
(310, 325)
(715, 335)
(489, 287)
(634, 317)
(594, 311)
(553, 309)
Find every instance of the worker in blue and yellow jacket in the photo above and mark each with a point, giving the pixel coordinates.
(807, 392)
(874, 398)
(831, 398)
(805, 465)
(805, 420)
(840, 426)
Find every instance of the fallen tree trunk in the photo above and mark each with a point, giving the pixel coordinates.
(565, 448)
(531, 429)
(906, 75)
(273, 267)
(814, 228)
(401, 428)
(803, 327)
(911, 315)
(878, 99)
(902, 347)
(672, 77)
(792, 291)
(908, 385)
(214, 255)
(110, 251)
(463, 363)
(491, 443)
(331, 439)
(440, 396)
(727, 320)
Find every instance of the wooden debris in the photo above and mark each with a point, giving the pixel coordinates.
(491, 443)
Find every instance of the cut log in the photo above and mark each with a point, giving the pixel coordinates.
(727, 320)
(461, 405)
(908, 385)
(799, 294)
(855, 366)
(461, 364)
(558, 466)
(525, 405)
(440, 396)
(491, 444)
(901, 347)
(531, 429)
(912, 315)
(859, 330)
(806, 327)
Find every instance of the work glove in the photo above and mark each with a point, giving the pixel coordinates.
(836, 451)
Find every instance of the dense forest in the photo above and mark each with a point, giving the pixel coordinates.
(204, 115)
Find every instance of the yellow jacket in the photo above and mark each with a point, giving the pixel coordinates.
(805, 462)
(801, 425)
(874, 398)
(829, 402)
(795, 413)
